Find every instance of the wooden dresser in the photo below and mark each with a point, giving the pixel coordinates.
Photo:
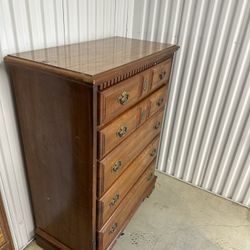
(90, 116)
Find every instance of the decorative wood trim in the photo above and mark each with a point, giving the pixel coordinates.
(130, 72)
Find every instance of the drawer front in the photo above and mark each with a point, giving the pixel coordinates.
(117, 131)
(120, 97)
(121, 216)
(157, 100)
(125, 124)
(116, 161)
(113, 197)
(115, 100)
(161, 73)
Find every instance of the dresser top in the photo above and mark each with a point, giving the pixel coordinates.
(93, 59)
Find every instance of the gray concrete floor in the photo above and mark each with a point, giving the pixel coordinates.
(178, 216)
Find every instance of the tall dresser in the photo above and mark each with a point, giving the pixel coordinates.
(90, 116)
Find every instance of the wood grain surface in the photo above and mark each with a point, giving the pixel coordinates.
(57, 119)
(92, 61)
(127, 151)
(122, 215)
(108, 96)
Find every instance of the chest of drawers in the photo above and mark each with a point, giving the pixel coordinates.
(90, 116)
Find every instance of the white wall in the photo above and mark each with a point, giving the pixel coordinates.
(33, 24)
(206, 139)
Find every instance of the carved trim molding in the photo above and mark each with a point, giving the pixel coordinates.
(120, 76)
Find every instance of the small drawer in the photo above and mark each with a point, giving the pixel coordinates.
(111, 167)
(115, 100)
(113, 197)
(119, 219)
(158, 99)
(121, 127)
(161, 73)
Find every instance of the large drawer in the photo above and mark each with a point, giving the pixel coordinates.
(110, 168)
(125, 124)
(119, 98)
(113, 197)
(122, 214)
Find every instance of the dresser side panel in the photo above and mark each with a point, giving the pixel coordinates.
(57, 120)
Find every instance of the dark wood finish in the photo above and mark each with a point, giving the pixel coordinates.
(92, 61)
(122, 214)
(71, 102)
(110, 105)
(135, 89)
(57, 122)
(5, 236)
(125, 124)
(126, 152)
(113, 197)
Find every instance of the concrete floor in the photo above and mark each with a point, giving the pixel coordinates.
(178, 216)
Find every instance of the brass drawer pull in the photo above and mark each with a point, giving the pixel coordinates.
(123, 98)
(153, 152)
(145, 84)
(122, 131)
(117, 166)
(143, 114)
(157, 125)
(160, 101)
(162, 74)
(114, 200)
(113, 228)
(150, 176)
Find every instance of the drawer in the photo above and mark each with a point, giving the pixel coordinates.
(119, 129)
(115, 100)
(161, 73)
(120, 97)
(110, 167)
(157, 100)
(123, 213)
(113, 197)
(125, 124)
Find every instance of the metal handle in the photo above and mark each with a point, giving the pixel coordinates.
(160, 101)
(143, 114)
(123, 98)
(122, 131)
(150, 176)
(153, 152)
(162, 74)
(157, 125)
(145, 84)
(117, 166)
(113, 228)
(114, 200)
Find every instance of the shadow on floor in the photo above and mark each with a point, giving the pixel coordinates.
(178, 216)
